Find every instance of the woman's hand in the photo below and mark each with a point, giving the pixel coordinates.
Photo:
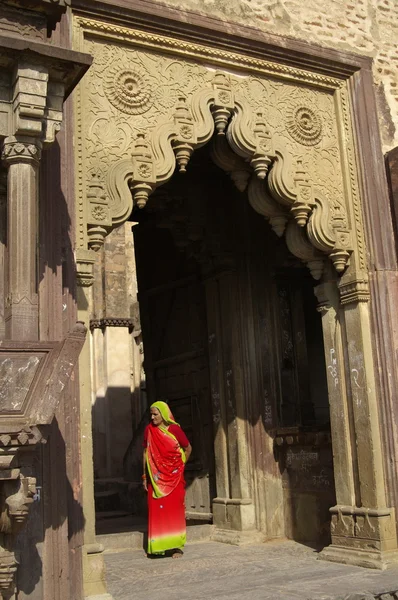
(188, 451)
(145, 484)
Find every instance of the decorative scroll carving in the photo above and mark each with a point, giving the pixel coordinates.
(299, 245)
(263, 203)
(223, 156)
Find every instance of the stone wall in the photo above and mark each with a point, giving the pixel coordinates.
(363, 26)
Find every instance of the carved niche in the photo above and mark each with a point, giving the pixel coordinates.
(281, 133)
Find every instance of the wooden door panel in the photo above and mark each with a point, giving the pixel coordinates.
(181, 375)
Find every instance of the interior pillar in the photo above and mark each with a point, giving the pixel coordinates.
(233, 508)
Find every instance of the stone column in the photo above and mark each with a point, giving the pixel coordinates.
(340, 414)
(93, 559)
(363, 527)
(233, 508)
(21, 156)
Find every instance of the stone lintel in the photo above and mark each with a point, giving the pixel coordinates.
(64, 65)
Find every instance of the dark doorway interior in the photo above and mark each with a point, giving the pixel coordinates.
(199, 226)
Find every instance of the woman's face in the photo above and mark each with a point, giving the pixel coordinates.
(156, 417)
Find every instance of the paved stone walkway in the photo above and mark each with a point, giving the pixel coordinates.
(213, 571)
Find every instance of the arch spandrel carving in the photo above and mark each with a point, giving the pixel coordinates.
(145, 113)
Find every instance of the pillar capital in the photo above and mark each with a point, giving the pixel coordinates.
(21, 149)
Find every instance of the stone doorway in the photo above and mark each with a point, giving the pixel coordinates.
(197, 243)
(298, 135)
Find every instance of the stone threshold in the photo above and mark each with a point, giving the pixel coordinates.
(136, 540)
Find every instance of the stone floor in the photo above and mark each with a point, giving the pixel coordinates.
(213, 571)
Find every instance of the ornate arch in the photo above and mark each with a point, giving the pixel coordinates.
(282, 133)
(279, 186)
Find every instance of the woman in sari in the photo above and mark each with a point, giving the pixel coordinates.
(166, 450)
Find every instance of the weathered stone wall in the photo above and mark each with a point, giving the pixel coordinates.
(364, 26)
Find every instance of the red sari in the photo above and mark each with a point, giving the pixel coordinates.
(166, 487)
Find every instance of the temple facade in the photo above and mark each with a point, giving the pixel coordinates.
(198, 203)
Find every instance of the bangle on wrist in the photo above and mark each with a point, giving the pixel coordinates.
(144, 477)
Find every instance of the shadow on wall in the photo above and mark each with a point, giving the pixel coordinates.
(51, 510)
(55, 223)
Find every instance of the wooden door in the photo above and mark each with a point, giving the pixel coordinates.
(173, 312)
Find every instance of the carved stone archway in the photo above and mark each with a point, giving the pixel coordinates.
(279, 183)
(284, 133)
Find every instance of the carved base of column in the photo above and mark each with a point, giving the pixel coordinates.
(234, 513)
(94, 573)
(234, 520)
(363, 537)
(359, 558)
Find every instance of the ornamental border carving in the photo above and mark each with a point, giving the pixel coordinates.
(193, 50)
(112, 322)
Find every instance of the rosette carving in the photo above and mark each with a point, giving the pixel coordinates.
(129, 89)
(304, 125)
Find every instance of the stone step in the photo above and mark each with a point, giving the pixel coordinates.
(134, 540)
(111, 514)
(107, 500)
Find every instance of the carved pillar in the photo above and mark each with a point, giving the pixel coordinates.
(233, 508)
(340, 414)
(362, 527)
(3, 251)
(93, 559)
(21, 156)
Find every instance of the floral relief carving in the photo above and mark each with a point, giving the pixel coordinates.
(99, 213)
(129, 90)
